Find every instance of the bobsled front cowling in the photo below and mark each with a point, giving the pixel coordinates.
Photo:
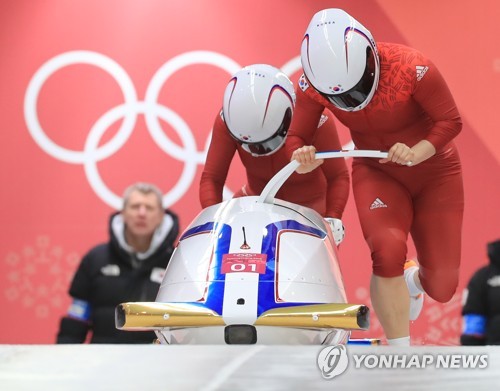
(283, 255)
(272, 267)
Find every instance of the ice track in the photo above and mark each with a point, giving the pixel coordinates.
(243, 367)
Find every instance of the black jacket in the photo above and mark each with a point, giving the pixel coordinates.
(109, 275)
(483, 299)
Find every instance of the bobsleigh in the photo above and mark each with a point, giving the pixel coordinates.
(255, 269)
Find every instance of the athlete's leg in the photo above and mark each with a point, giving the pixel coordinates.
(391, 303)
(385, 212)
(436, 232)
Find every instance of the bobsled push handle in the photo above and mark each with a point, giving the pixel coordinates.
(281, 176)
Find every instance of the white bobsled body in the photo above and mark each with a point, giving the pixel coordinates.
(285, 258)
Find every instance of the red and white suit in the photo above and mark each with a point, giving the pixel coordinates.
(412, 103)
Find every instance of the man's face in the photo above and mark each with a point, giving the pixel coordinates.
(142, 214)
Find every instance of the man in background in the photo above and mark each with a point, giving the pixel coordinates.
(129, 267)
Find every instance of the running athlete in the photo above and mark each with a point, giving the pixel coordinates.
(257, 109)
(392, 98)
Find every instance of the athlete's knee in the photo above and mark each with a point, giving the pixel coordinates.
(388, 256)
(440, 284)
(442, 294)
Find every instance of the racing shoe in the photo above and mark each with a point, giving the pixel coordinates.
(416, 296)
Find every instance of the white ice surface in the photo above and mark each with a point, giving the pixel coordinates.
(253, 367)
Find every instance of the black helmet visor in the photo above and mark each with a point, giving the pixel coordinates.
(358, 94)
(271, 144)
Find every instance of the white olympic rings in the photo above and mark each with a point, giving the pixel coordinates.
(93, 153)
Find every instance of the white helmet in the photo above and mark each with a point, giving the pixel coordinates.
(258, 106)
(340, 59)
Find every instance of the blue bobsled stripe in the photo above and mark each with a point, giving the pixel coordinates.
(215, 294)
(207, 227)
(266, 300)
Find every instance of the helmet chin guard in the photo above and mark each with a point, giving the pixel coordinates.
(258, 107)
(340, 59)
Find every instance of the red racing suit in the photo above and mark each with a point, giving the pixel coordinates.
(325, 190)
(412, 103)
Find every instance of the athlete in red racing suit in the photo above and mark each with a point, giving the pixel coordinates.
(418, 189)
(329, 183)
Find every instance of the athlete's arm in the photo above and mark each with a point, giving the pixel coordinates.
(434, 97)
(219, 157)
(305, 121)
(402, 154)
(335, 170)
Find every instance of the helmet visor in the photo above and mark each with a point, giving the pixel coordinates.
(271, 144)
(266, 147)
(362, 91)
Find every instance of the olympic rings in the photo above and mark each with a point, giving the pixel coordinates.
(129, 110)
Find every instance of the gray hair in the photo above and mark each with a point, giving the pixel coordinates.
(144, 188)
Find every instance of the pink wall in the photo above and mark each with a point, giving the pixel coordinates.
(63, 167)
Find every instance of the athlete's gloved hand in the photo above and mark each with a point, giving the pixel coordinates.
(337, 228)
